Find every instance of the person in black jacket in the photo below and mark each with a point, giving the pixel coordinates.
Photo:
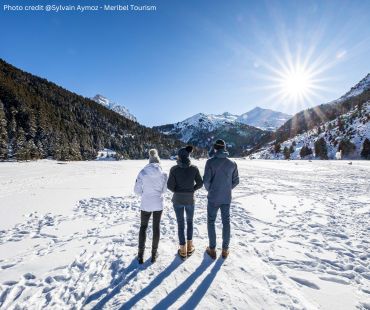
(183, 181)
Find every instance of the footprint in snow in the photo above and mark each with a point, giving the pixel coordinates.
(305, 282)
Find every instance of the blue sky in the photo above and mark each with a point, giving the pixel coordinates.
(195, 55)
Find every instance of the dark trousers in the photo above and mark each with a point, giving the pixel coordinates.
(145, 217)
(211, 219)
(189, 210)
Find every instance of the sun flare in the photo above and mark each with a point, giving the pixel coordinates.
(294, 79)
(296, 83)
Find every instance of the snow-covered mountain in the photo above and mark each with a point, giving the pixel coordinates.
(201, 129)
(265, 119)
(114, 107)
(192, 126)
(311, 118)
(344, 137)
(358, 89)
(338, 129)
(210, 121)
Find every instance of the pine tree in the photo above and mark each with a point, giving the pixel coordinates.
(365, 152)
(277, 147)
(3, 134)
(305, 151)
(286, 152)
(20, 151)
(321, 150)
(340, 124)
(74, 150)
(347, 147)
(12, 132)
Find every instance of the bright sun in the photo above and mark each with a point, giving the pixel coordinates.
(296, 83)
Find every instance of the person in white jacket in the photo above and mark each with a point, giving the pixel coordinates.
(151, 184)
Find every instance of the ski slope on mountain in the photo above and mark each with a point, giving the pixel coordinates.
(300, 239)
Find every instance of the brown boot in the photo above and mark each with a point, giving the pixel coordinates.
(225, 253)
(211, 252)
(182, 251)
(190, 247)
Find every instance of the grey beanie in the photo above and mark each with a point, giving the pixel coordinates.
(153, 156)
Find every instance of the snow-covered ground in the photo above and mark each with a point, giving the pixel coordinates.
(300, 240)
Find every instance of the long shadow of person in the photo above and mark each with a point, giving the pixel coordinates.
(201, 290)
(125, 275)
(152, 285)
(172, 297)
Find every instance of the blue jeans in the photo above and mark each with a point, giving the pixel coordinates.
(189, 210)
(212, 210)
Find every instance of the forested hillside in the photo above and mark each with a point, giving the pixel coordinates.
(313, 117)
(39, 119)
(345, 137)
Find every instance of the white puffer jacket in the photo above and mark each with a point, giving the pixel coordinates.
(151, 184)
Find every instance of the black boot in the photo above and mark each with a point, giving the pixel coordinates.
(140, 257)
(154, 256)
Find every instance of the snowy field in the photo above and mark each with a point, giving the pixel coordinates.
(300, 240)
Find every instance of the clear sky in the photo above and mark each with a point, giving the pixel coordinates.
(193, 56)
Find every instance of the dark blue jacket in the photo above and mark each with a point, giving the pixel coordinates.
(220, 177)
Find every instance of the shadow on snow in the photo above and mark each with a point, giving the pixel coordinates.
(125, 275)
(201, 290)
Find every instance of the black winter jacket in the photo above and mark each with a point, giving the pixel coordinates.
(183, 181)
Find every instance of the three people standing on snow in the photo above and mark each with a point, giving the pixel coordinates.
(220, 177)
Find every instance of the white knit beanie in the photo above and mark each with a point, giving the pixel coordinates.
(153, 156)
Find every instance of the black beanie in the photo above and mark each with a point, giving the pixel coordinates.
(185, 152)
(189, 148)
(220, 144)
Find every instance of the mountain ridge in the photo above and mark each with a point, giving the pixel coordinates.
(39, 119)
(120, 109)
(266, 119)
(257, 116)
(352, 107)
(345, 137)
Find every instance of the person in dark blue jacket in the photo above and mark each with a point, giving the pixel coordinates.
(220, 178)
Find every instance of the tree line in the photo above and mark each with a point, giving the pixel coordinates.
(39, 119)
